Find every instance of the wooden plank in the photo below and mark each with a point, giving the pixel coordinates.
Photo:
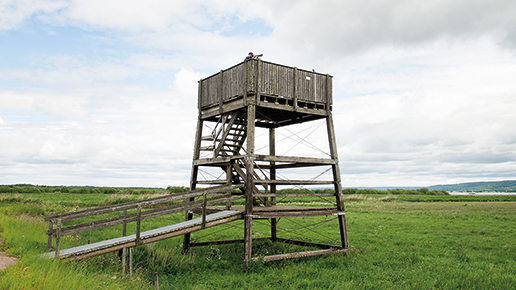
(139, 216)
(138, 226)
(96, 225)
(293, 182)
(299, 255)
(224, 242)
(225, 134)
(290, 159)
(218, 161)
(146, 237)
(287, 214)
(143, 203)
(274, 78)
(294, 194)
(58, 237)
(249, 161)
(306, 244)
(49, 241)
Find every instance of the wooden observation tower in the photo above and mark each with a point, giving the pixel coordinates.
(235, 103)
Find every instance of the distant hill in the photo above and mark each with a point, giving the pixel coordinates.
(489, 186)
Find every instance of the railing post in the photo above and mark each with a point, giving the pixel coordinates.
(156, 281)
(204, 202)
(121, 253)
(58, 238)
(51, 229)
(138, 225)
(124, 227)
(123, 260)
(131, 261)
(229, 181)
(328, 94)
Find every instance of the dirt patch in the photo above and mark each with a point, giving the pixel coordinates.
(5, 261)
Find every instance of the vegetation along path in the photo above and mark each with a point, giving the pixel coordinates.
(397, 242)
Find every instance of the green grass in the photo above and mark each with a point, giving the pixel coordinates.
(394, 245)
(397, 242)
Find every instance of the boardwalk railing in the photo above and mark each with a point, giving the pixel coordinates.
(156, 207)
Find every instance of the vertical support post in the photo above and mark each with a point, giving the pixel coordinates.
(229, 181)
(124, 227)
(199, 95)
(272, 152)
(49, 242)
(204, 203)
(58, 238)
(156, 281)
(337, 181)
(246, 81)
(249, 186)
(259, 81)
(193, 178)
(138, 225)
(123, 260)
(131, 261)
(328, 94)
(121, 253)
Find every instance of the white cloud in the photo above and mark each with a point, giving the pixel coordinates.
(338, 28)
(423, 91)
(437, 119)
(13, 13)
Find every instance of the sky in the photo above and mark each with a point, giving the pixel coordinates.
(104, 93)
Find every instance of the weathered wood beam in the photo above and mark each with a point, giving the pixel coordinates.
(306, 244)
(294, 194)
(291, 159)
(144, 241)
(219, 161)
(143, 203)
(293, 182)
(299, 255)
(134, 217)
(287, 214)
(223, 242)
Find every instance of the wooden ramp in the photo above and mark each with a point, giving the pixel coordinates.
(146, 237)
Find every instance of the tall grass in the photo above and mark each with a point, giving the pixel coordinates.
(397, 242)
(394, 245)
(24, 237)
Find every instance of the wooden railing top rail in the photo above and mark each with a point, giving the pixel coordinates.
(137, 216)
(268, 62)
(143, 203)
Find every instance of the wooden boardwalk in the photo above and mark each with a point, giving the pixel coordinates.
(146, 237)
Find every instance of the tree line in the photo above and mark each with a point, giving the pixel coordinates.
(29, 188)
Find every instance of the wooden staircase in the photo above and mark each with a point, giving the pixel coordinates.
(228, 136)
(238, 167)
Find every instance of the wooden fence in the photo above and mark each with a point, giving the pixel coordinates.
(257, 76)
(156, 207)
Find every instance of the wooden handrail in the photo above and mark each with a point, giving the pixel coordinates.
(216, 193)
(134, 204)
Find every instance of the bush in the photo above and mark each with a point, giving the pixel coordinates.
(83, 190)
(178, 189)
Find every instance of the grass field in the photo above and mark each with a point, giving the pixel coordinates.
(397, 242)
